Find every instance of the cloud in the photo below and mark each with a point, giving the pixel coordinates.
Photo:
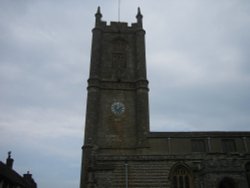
(198, 69)
(42, 139)
(201, 61)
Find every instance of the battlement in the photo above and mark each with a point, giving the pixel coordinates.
(118, 26)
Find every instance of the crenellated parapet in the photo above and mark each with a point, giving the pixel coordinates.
(118, 26)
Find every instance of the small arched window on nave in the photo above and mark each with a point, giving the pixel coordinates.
(181, 177)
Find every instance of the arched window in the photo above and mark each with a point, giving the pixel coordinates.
(119, 57)
(248, 173)
(119, 52)
(227, 183)
(180, 177)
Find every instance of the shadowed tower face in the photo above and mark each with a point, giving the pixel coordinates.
(117, 105)
(117, 115)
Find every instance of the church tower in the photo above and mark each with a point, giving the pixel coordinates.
(117, 114)
(117, 104)
(119, 151)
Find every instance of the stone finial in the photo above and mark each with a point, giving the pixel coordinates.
(98, 10)
(9, 160)
(9, 154)
(29, 180)
(98, 14)
(139, 17)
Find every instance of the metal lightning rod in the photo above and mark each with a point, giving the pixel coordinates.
(119, 10)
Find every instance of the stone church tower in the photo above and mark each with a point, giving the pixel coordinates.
(120, 152)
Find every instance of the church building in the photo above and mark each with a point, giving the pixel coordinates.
(119, 150)
(9, 178)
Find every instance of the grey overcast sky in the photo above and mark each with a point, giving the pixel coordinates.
(198, 55)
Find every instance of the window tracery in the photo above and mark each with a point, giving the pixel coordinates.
(181, 177)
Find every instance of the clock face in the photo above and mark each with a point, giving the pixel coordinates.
(118, 108)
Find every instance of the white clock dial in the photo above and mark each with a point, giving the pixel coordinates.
(118, 108)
